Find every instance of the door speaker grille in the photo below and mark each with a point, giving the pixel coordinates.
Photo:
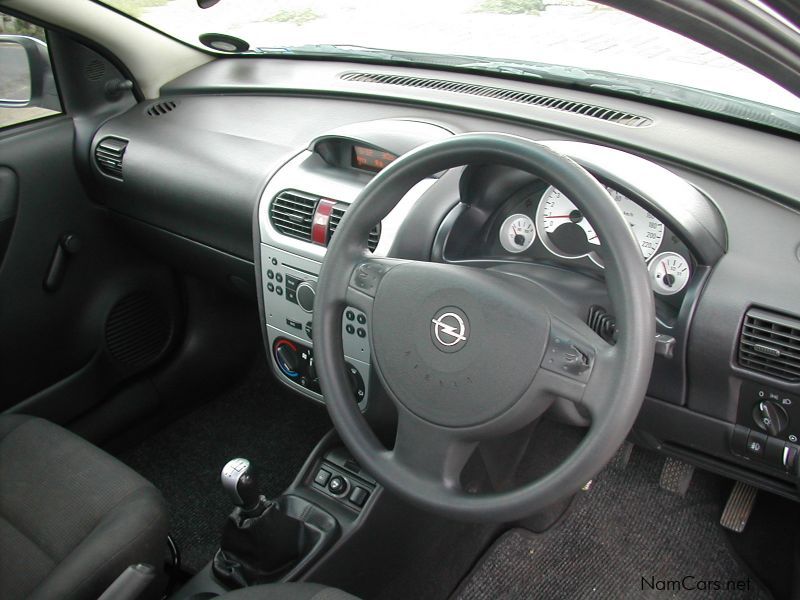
(138, 330)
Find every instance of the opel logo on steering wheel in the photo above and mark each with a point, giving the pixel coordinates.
(449, 329)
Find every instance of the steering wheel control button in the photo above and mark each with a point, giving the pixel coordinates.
(566, 358)
(356, 382)
(322, 477)
(450, 329)
(367, 276)
(338, 485)
(305, 296)
(359, 496)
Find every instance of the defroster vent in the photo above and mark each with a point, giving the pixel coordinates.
(108, 155)
(770, 343)
(292, 214)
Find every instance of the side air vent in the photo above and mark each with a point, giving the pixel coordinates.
(292, 214)
(161, 108)
(589, 110)
(336, 215)
(770, 343)
(108, 155)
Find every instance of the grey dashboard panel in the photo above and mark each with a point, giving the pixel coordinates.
(199, 171)
(715, 147)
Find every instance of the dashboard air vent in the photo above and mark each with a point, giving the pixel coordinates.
(292, 214)
(336, 215)
(589, 110)
(770, 343)
(161, 108)
(108, 155)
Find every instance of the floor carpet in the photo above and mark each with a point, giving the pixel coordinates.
(625, 538)
(258, 420)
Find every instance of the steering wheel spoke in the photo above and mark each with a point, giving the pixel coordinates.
(437, 453)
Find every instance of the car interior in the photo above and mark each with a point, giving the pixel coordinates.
(306, 318)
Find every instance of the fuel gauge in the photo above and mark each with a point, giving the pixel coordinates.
(669, 273)
(517, 233)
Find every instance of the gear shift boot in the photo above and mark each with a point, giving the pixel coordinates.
(258, 545)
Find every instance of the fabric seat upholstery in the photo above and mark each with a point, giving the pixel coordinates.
(72, 517)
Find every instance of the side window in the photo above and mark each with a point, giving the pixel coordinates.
(27, 88)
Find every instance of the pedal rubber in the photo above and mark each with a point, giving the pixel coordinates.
(621, 459)
(676, 476)
(738, 507)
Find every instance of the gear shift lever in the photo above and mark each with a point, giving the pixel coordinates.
(259, 542)
(240, 483)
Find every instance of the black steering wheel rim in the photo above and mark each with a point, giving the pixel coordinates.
(622, 376)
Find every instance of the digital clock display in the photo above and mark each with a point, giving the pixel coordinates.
(370, 159)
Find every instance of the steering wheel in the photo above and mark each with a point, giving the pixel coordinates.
(470, 354)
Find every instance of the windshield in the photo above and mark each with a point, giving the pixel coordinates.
(590, 44)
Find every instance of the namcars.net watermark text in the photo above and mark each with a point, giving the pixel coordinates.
(691, 583)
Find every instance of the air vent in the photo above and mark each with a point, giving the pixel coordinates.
(770, 343)
(336, 215)
(161, 108)
(108, 155)
(589, 110)
(292, 213)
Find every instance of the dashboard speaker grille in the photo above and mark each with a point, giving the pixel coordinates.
(138, 330)
(292, 214)
(589, 110)
(108, 155)
(336, 215)
(770, 343)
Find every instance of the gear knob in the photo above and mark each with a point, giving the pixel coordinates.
(239, 482)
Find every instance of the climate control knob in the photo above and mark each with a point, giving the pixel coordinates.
(286, 358)
(305, 296)
(771, 417)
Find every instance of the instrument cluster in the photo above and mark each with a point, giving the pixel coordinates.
(545, 223)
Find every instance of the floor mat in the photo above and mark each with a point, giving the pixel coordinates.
(626, 538)
(258, 420)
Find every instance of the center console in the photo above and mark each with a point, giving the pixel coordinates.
(299, 211)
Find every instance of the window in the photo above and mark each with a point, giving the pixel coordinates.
(27, 87)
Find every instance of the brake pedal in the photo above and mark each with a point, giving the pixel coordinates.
(738, 507)
(621, 459)
(676, 476)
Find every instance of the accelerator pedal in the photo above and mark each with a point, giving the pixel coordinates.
(738, 507)
(676, 476)
(623, 456)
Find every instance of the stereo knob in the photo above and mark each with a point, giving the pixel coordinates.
(771, 417)
(305, 296)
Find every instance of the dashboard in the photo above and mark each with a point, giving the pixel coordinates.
(245, 181)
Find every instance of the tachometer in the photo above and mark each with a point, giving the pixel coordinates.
(517, 233)
(566, 232)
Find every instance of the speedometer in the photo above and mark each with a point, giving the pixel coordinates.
(565, 231)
